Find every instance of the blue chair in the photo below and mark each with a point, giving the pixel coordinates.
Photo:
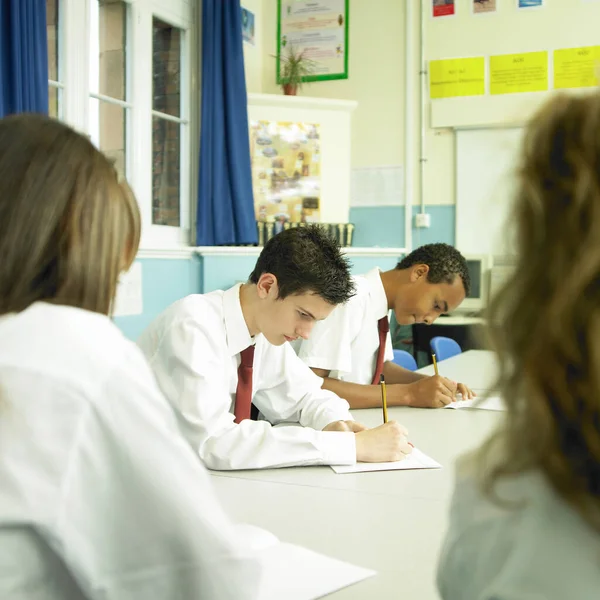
(405, 359)
(444, 347)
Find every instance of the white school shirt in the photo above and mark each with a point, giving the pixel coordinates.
(346, 343)
(100, 495)
(194, 350)
(542, 551)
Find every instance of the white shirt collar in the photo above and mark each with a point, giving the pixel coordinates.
(377, 292)
(236, 330)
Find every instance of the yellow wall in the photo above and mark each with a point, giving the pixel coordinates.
(376, 69)
(254, 56)
(559, 24)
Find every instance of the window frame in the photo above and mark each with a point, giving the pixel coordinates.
(58, 83)
(74, 56)
(125, 104)
(165, 233)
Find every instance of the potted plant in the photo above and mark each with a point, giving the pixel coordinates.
(294, 67)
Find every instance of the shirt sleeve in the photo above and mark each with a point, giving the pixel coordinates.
(139, 518)
(192, 374)
(294, 392)
(329, 346)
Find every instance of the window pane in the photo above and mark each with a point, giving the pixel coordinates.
(53, 95)
(166, 137)
(166, 68)
(108, 32)
(52, 35)
(107, 130)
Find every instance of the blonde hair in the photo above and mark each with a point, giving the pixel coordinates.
(68, 227)
(545, 323)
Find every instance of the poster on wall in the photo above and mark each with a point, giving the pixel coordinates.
(443, 8)
(319, 30)
(248, 34)
(530, 3)
(577, 67)
(519, 73)
(454, 77)
(481, 7)
(286, 172)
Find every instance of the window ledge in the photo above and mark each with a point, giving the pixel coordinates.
(255, 251)
(187, 252)
(177, 253)
(301, 102)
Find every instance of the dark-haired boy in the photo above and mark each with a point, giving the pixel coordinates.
(217, 355)
(352, 347)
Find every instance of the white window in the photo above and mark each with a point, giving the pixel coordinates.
(129, 82)
(53, 21)
(108, 115)
(170, 140)
(167, 123)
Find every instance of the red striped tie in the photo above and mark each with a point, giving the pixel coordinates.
(383, 325)
(243, 392)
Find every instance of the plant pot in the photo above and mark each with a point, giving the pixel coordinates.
(289, 89)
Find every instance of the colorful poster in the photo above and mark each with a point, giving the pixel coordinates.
(577, 67)
(248, 34)
(319, 29)
(530, 3)
(286, 172)
(457, 77)
(483, 6)
(443, 8)
(518, 73)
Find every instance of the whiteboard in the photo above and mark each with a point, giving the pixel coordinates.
(486, 160)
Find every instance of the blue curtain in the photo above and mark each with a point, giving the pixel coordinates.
(23, 57)
(225, 214)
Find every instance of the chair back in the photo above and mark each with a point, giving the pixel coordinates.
(405, 359)
(444, 347)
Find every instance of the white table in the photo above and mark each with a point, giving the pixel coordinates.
(392, 522)
(476, 368)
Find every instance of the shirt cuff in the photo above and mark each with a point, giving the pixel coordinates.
(337, 447)
(331, 415)
(319, 362)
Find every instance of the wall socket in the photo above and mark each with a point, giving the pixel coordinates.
(422, 220)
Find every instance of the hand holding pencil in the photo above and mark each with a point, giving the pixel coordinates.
(386, 443)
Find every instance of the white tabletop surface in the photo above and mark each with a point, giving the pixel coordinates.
(393, 521)
(475, 368)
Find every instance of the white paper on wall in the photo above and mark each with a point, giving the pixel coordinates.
(377, 186)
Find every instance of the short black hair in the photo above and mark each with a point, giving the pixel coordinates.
(306, 259)
(444, 261)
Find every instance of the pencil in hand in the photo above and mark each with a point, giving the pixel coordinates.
(383, 398)
(435, 367)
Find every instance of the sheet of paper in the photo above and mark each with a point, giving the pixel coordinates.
(489, 403)
(296, 573)
(417, 460)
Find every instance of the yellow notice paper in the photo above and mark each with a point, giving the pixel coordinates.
(517, 73)
(577, 67)
(457, 77)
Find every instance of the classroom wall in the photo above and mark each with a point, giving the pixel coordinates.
(558, 24)
(376, 82)
(163, 282)
(166, 280)
(254, 55)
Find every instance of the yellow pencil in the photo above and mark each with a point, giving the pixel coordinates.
(435, 365)
(383, 397)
